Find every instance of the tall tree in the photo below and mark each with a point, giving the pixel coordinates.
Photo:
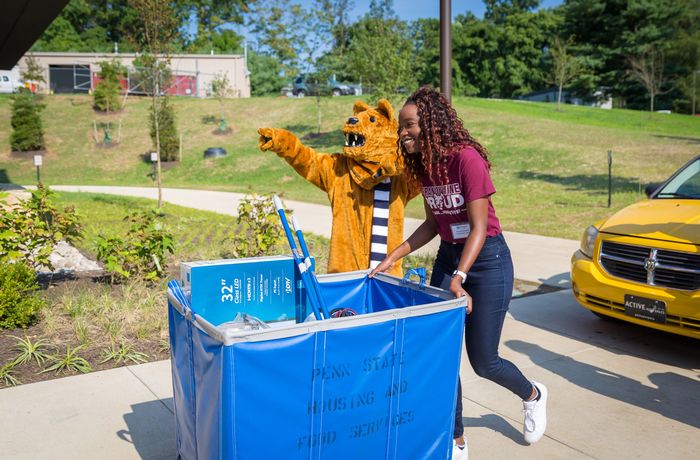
(279, 28)
(380, 55)
(210, 16)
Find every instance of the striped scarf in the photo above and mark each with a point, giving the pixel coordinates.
(380, 223)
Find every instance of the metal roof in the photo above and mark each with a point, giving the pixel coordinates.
(21, 23)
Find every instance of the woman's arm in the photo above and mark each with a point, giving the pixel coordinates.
(422, 236)
(478, 220)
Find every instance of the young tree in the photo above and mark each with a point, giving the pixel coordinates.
(565, 66)
(33, 74)
(27, 131)
(221, 90)
(648, 69)
(159, 29)
(107, 92)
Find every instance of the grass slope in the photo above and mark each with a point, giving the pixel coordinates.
(549, 167)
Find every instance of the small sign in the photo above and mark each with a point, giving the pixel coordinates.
(154, 157)
(38, 159)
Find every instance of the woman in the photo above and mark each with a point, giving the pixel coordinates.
(473, 260)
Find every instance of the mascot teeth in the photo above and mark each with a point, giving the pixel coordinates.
(354, 140)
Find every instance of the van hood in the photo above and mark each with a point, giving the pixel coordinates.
(659, 219)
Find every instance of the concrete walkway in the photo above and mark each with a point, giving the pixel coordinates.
(536, 258)
(617, 391)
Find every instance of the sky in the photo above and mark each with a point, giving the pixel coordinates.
(409, 10)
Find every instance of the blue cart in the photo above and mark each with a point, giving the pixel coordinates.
(379, 385)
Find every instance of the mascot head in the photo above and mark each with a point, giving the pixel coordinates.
(371, 139)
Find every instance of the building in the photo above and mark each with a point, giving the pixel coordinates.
(192, 74)
(551, 94)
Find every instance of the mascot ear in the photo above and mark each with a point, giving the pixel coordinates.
(385, 108)
(359, 107)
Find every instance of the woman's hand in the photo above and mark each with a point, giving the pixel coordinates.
(458, 291)
(384, 266)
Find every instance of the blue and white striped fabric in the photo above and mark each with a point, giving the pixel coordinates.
(380, 223)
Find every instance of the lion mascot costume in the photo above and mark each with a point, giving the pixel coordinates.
(366, 185)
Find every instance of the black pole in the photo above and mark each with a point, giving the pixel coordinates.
(609, 178)
(446, 48)
(38, 174)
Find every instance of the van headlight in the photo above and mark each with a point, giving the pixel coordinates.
(588, 241)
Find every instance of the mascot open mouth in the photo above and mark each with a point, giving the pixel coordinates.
(354, 140)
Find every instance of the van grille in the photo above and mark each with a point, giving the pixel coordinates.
(655, 267)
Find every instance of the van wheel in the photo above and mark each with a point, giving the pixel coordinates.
(301, 93)
(336, 92)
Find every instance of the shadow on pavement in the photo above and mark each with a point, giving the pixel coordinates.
(151, 429)
(496, 423)
(675, 396)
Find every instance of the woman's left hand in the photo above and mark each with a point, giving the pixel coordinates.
(458, 291)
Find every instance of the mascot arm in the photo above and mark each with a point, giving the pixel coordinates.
(309, 164)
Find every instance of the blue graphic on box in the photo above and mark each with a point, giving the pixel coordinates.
(265, 287)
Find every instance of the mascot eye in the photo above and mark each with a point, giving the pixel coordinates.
(372, 119)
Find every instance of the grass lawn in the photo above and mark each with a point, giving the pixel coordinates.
(549, 167)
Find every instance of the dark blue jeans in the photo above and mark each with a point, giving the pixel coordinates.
(490, 283)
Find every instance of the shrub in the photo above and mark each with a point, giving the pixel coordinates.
(27, 131)
(259, 228)
(106, 96)
(169, 142)
(29, 230)
(19, 300)
(142, 253)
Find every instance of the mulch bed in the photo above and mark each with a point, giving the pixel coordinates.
(30, 372)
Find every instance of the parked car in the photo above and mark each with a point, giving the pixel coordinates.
(302, 87)
(10, 81)
(642, 265)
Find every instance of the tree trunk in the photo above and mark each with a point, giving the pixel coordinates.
(156, 111)
(318, 113)
(559, 99)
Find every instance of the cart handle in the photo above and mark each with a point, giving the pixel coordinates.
(420, 272)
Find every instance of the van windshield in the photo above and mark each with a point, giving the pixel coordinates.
(685, 185)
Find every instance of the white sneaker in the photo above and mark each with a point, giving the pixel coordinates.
(460, 452)
(535, 416)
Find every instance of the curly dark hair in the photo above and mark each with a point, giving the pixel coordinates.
(442, 134)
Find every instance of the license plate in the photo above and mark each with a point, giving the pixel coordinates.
(643, 308)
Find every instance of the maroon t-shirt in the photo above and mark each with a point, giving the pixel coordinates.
(469, 180)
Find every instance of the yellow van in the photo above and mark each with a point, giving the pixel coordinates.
(642, 265)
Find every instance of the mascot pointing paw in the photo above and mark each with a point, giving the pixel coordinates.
(365, 184)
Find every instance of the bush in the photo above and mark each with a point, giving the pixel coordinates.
(29, 230)
(259, 228)
(169, 142)
(142, 253)
(19, 301)
(107, 93)
(27, 131)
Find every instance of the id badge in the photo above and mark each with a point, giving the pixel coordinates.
(460, 231)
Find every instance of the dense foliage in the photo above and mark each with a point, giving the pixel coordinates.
(108, 90)
(30, 229)
(142, 253)
(167, 131)
(27, 130)
(632, 51)
(19, 300)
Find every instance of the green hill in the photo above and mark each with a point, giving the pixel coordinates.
(550, 168)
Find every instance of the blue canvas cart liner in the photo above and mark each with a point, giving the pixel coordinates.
(379, 385)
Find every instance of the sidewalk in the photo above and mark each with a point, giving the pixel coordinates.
(616, 390)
